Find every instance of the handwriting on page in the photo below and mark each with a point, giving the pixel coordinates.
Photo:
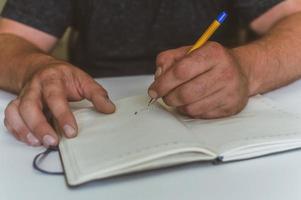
(145, 109)
(142, 111)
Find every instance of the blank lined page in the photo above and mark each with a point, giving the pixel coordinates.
(261, 122)
(134, 133)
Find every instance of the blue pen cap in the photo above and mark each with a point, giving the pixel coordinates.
(222, 17)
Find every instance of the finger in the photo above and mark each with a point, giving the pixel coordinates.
(225, 109)
(167, 58)
(214, 114)
(54, 94)
(30, 110)
(200, 109)
(195, 90)
(98, 96)
(15, 125)
(184, 70)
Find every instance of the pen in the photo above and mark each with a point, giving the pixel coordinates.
(209, 32)
(205, 37)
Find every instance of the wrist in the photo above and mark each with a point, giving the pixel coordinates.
(252, 60)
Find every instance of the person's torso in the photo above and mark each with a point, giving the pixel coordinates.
(123, 37)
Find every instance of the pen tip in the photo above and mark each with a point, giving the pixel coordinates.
(150, 102)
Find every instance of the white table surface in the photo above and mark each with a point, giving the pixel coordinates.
(276, 177)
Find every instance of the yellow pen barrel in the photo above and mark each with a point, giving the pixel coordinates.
(204, 38)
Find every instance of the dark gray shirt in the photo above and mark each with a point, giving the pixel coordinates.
(123, 37)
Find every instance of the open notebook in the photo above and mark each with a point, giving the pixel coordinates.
(137, 138)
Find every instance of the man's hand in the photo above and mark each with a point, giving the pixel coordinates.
(208, 83)
(50, 88)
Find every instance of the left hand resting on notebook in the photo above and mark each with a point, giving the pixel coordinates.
(208, 83)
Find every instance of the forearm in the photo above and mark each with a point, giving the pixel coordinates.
(275, 59)
(18, 61)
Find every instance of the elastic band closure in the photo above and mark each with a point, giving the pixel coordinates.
(38, 159)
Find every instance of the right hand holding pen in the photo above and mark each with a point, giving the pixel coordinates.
(50, 88)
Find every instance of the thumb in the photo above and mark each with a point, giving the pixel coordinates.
(95, 93)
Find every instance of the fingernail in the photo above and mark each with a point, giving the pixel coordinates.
(153, 94)
(32, 139)
(69, 130)
(108, 99)
(48, 140)
(158, 72)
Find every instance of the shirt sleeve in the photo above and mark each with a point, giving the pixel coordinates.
(249, 10)
(50, 16)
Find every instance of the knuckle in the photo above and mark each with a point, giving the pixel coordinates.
(238, 103)
(200, 87)
(232, 107)
(185, 95)
(26, 106)
(162, 57)
(51, 95)
(39, 128)
(210, 115)
(190, 111)
(228, 111)
(21, 131)
(58, 110)
(53, 92)
(63, 68)
(181, 71)
(91, 84)
(214, 45)
(228, 73)
(217, 50)
(51, 73)
(62, 118)
(232, 98)
(97, 92)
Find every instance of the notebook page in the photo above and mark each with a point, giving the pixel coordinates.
(133, 134)
(260, 124)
